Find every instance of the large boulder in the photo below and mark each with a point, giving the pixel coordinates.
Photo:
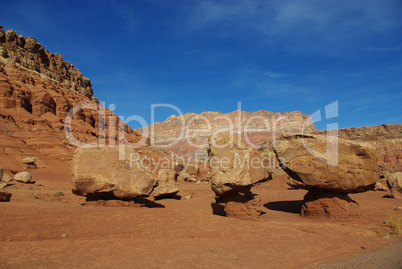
(98, 172)
(23, 177)
(394, 182)
(330, 168)
(327, 162)
(234, 167)
(167, 184)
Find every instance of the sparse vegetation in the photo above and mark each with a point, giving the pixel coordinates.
(394, 222)
(58, 193)
(36, 196)
(393, 226)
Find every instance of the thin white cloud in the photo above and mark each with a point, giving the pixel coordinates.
(300, 25)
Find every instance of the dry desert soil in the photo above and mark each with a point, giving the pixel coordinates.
(42, 229)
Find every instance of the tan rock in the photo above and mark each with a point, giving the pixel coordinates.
(6, 178)
(24, 177)
(233, 167)
(395, 185)
(3, 185)
(98, 172)
(296, 184)
(30, 160)
(167, 184)
(381, 185)
(183, 176)
(346, 166)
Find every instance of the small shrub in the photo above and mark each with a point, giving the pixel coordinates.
(58, 193)
(395, 223)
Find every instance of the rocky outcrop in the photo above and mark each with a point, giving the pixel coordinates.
(394, 182)
(38, 89)
(29, 54)
(235, 169)
(187, 135)
(329, 168)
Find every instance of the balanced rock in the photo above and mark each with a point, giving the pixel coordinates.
(395, 184)
(234, 171)
(167, 184)
(327, 162)
(232, 166)
(98, 172)
(5, 196)
(30, 162)
(23, 177)
(330, 168)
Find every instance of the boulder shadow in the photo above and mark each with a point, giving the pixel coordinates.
(115, 202)
(285, 206)
(170, 197)
(218, 209)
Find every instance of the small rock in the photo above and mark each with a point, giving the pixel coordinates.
(64, 235)
(30, 160)
(5, 196)
(363, 247)
(3, 185)
(24, 177)
(188, 197)
(6, 178)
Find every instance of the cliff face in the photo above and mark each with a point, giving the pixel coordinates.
(187, 135)
(37, 90)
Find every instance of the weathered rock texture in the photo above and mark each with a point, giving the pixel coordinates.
(37, 91)
(98, 172)
(187, 135)
(234, 171)
(353, 170)
(24, 177)
(330, 168)
(394, 182)
(321, 203)
(167, 184)
(386, 138)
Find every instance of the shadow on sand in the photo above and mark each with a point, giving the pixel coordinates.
(285, 206)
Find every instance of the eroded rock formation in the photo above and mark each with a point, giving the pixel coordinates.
(235, 169)
(37, 91)
(330, 168)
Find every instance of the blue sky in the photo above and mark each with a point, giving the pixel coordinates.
(209, 55)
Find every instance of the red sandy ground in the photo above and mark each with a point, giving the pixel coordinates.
(183, 234)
